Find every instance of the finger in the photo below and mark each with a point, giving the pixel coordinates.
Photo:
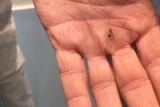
(132, 79)
(149, 52)
(102, 82)
(73, 78)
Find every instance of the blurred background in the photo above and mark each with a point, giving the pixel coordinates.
(41, 66)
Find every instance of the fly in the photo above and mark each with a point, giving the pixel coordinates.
(109, 33)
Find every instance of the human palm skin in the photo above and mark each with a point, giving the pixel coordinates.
(80, 29)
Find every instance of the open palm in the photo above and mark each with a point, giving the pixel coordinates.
(100, 31)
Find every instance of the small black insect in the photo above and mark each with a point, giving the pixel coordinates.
(109, 33)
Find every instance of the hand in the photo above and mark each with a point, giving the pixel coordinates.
(100, 30)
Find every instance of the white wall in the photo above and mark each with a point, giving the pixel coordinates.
(22, 4)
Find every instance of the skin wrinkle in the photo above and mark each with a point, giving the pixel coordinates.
(96, 58)
(137, 30)
(67, 37)
(141, 10)
(142, 35)
(85, 41)
(47, 23)
(87, 3)
(134, 84)
(139, 33)
(101, 85)
(75, 98)
(82, 14)
(73, 16)
(149, 61)
(91, 6)
(72, 71)
(153, 64)
(144, 14)
(92, 33)
(82, 46)
(143, 18)
(151, 23)
(105, 3)
(94, 6)
(78, 20)
(92, 10)
(116, 53)
(82, 18)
